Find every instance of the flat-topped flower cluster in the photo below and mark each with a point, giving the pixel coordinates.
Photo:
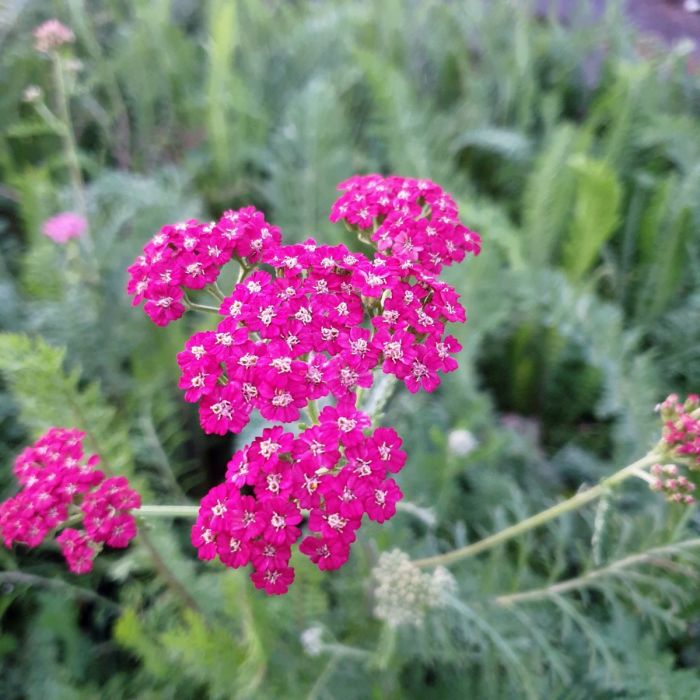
(191, 255)
(308, 323)
(318, 325)
(62, 486)
(406, 218)
(333, 470)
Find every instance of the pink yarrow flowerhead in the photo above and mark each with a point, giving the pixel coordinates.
(313, 330)
(51, 35)
(62, 227)
(60, 483)
(308, 323)
(255, 516)
(412, 220)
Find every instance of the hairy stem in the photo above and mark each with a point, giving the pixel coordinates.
(70, 147)
(573, 503)
(655, 556)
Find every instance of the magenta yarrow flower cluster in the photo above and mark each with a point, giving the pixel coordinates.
(407, 219)
(307, 323)
(190, 256)
(319, 325)
(62, 486)
(680, 444)
(334, 470)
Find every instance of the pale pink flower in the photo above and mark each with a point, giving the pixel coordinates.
(51, 35)
(62, 227)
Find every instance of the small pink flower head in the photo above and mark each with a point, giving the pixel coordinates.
(61, 485)
(62, 227)
(51, 35)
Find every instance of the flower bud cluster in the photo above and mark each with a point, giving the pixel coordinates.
(676, 487)
(61, 486)
(681, 429)
(404, 593)
(337, 471)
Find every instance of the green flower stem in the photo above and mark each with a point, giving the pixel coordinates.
(215, 291)
(379, 396)
(70, 147)
(167, 512)
(312, 410)
(200, 307)
(573, 503)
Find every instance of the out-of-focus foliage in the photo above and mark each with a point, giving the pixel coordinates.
(577, 159)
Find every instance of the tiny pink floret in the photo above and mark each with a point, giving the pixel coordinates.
(62, 227)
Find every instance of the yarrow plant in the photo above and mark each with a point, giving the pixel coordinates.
(62, 488)
(308, 323)
(316, 336)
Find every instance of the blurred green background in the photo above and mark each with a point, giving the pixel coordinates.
(573, 149)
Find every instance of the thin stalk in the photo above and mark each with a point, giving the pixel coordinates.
(323, 678)
(215, 291)
(201, 307)
(573, 503)
(651, 556)
(166, 512)
(70, 146)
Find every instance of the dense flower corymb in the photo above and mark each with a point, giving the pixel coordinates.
(190, 255)
(410, 219)
(61, 485)
(307, 329)
(319, 326)
(337, 470)
(681, 431)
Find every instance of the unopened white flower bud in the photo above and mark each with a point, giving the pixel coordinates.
(461, 442)
(404, 592)
(32, 93)
(312, 640)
